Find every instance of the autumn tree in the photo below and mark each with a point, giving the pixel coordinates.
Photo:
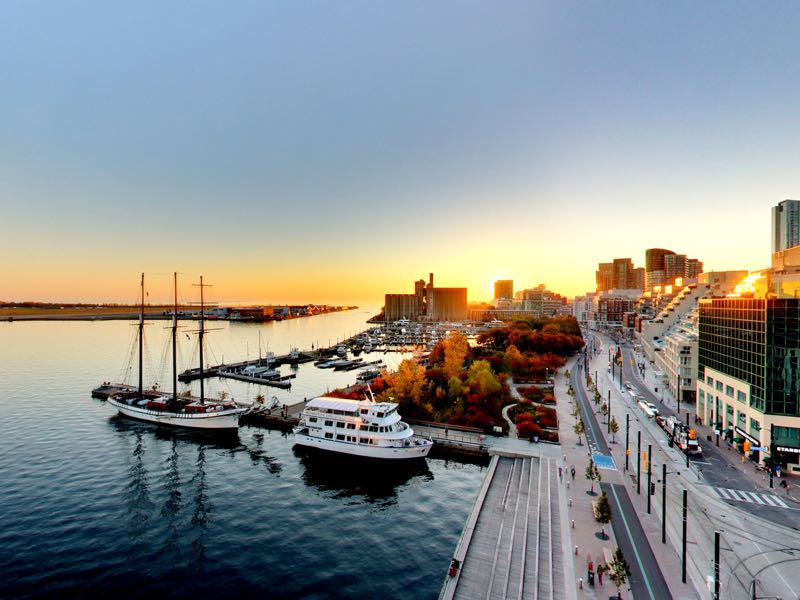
(602, 513)
(408, 382)
(456, 350)
(480, 374)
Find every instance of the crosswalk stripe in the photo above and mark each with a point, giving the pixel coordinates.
(734, 494)
(758, 498)
(724, 493)
(780, 502)
(714, 491)
(770, 500)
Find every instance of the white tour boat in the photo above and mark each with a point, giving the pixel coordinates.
(358, 427)
(175, 410)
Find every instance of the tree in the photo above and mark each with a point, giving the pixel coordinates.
(579, 429)
(602, 513)
(480, 373)
(597, 397)
(408, 381)
(619, 570)
(456, 349)
(455, 387)
(614, 429)
(592, 474)
(604, 409)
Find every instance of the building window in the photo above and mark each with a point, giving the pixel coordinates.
(741, 396)
(729, 391)
(719, 386)
(709, 381)
(702, 395)
(742, 419)
(755, 425)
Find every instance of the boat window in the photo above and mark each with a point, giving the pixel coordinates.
(379, 415)
(364, 411)
(313, 419)
(351, 425)
(329, 423)
(339, 436)
(329, 436)
(339, 424)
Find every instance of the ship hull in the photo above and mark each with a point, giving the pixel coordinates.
(382, 452)
(221, 420)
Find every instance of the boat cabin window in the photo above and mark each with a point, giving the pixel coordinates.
(364, 411)
(379, 415)
(339, 424)
(339, 436)
(351, 425)
(313, 419)
(329, 436)
(329, 423)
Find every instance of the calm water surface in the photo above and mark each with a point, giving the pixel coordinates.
(93, 505)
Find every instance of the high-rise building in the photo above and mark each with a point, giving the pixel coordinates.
(785, 225)
(427, 302)
(504, 289)
(663, 267)
(619, 275)
(655, 273)
(748, 379)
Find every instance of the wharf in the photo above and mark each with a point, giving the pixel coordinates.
(512, 543)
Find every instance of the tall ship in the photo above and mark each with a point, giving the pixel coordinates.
(359, 428)
(172, 409)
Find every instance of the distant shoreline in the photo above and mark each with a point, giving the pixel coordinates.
(68, 312)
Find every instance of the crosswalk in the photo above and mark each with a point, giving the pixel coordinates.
(752, 497)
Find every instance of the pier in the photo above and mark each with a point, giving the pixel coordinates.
(512, 545)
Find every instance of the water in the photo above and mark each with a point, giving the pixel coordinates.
(92, 505)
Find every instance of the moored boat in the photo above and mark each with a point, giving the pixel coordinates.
(359, 428)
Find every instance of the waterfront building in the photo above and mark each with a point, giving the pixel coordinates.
(748, 379)
(427, 302)
(504, 289)
(785, 225)
(542, 302)
(664, 267)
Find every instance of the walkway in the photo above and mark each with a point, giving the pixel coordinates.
(512, 544)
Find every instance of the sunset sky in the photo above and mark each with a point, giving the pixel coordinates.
(335, 151)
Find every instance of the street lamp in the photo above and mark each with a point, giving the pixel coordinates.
(664, 474)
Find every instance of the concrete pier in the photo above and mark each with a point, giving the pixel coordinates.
(512, 546)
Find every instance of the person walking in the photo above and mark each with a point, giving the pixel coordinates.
(572, 472)
(559, 473)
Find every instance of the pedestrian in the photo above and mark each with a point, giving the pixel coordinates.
(559, 473)
(572, 472)
(600, 570)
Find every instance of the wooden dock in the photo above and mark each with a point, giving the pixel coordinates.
(511, 546)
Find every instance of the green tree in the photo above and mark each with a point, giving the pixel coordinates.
(614, 429)
(456, 349)
(480, 373)
(604, 409)
(455, 387)
(619, 570)
(579, 429)
(592, 474)
(602, 513)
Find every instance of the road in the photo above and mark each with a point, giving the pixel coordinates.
(753, 548)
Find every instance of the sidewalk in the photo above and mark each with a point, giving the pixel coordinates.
(666, 554)
(758, 479)
(583, 529)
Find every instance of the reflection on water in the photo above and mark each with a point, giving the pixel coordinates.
(368, 480)
(138, 492)
(172, 503)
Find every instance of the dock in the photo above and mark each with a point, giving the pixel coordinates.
(511, 546)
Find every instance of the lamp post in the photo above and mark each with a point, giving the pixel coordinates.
(627, 439)
(683, 547)
(609, 411)
(649, 474)
(638, 461)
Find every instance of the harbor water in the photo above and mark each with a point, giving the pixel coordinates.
(94, 505)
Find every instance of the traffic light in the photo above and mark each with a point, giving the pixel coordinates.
(627, 451)
(644, 458)
(746, 447)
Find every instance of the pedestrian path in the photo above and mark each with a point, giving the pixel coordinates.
(744, 496)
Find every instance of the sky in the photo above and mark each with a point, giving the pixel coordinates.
(332, 152)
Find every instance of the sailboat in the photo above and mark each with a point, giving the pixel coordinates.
(173, 410)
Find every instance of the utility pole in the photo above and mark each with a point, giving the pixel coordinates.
(649, 473)
(638, 461)
(664, 503)
(716, 565)
(772, 453)
(627, 439)
(609, 411)
(683, 549)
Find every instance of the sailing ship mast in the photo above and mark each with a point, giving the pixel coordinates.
(141, 338)
(200, 333)
(174, 339)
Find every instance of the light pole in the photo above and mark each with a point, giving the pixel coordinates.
(609, 411)
(664, 474)
(683, 547)
(638, 461)
(649, 473)
(627, 439)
